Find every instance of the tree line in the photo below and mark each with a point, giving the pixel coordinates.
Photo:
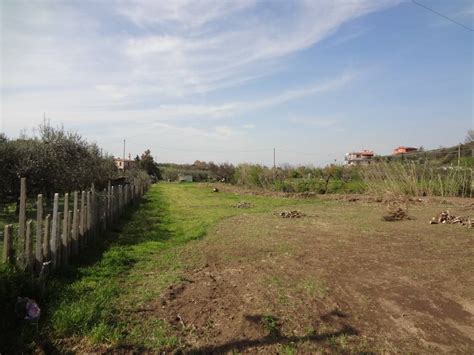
(53, 159)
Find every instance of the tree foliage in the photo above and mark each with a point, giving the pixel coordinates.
(54, 160)
(147, 163)
(469, 136)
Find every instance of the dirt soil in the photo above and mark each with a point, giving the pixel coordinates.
(327, 284)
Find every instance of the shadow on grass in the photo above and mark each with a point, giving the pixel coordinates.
(105, 258)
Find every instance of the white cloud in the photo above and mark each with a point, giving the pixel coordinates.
(182, 13)
(126, 65)
(181, 47)
(190, 60)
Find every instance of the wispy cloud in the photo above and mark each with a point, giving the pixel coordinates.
(161, 65)
(202, 58)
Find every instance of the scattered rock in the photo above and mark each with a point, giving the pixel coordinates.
(446, 217)
(290, 214)
(243, 204)
(397, 214)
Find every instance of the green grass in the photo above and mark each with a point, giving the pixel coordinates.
(133, 264)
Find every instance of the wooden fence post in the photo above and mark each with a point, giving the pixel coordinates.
(29, 246)
(112, 204)
(126, 195)
(89, 215)
(86, 231)
(22, 222)
(120, 198)
(104, 211)
(108, 209)
(46, 239)
(75, 219)
(54, 231)
(58, 238)
(65, 235)
(7, 256)
(69, 234)
(82, 223)
(39, 234)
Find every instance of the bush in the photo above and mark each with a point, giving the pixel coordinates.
(409, 178)
(55, 161)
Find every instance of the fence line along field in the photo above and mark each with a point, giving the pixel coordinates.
(192, 271)
(52, 239)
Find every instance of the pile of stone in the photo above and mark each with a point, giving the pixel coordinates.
(447, 218)
(398, 214)
(291, 214)
(243, 204)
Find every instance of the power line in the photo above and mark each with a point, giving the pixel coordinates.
(442, 15)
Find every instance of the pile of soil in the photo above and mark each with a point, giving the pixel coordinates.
(447, 218)
(243, 204)
(291, 214)
(398, 214)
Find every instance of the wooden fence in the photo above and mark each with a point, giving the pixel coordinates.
(50, 241)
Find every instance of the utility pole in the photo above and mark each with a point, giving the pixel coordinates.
(274, 161)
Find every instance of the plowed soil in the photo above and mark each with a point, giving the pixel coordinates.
(340, 280)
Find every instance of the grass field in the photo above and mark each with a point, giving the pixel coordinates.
(189, 271)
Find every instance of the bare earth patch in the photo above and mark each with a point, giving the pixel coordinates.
(339, 280)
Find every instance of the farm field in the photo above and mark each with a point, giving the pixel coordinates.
(189, 271)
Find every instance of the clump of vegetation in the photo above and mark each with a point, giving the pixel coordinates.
(199, 170)
(272, 325)
(409, 178)
(53, 160)
(330, 179)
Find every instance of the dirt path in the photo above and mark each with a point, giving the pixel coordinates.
(338, 280)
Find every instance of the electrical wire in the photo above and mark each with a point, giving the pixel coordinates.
(442, 15)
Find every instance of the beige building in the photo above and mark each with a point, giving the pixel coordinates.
(125, 164)
(359, 158)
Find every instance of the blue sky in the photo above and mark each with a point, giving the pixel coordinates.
(230, 80)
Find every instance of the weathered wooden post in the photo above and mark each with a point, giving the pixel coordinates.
(7, 256)
(69, 234)
(104, 211)
(89, 215)
(82, 223)
(46, 239)
(75, 226)
(93, 210)
(108, 212)
(54, 231)
(118, 199)
(112, 204)
(65, 234)
(22, 222)
(58, 238)
(29, 246)
(39, 234)
(85, 237)
(126, 195)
